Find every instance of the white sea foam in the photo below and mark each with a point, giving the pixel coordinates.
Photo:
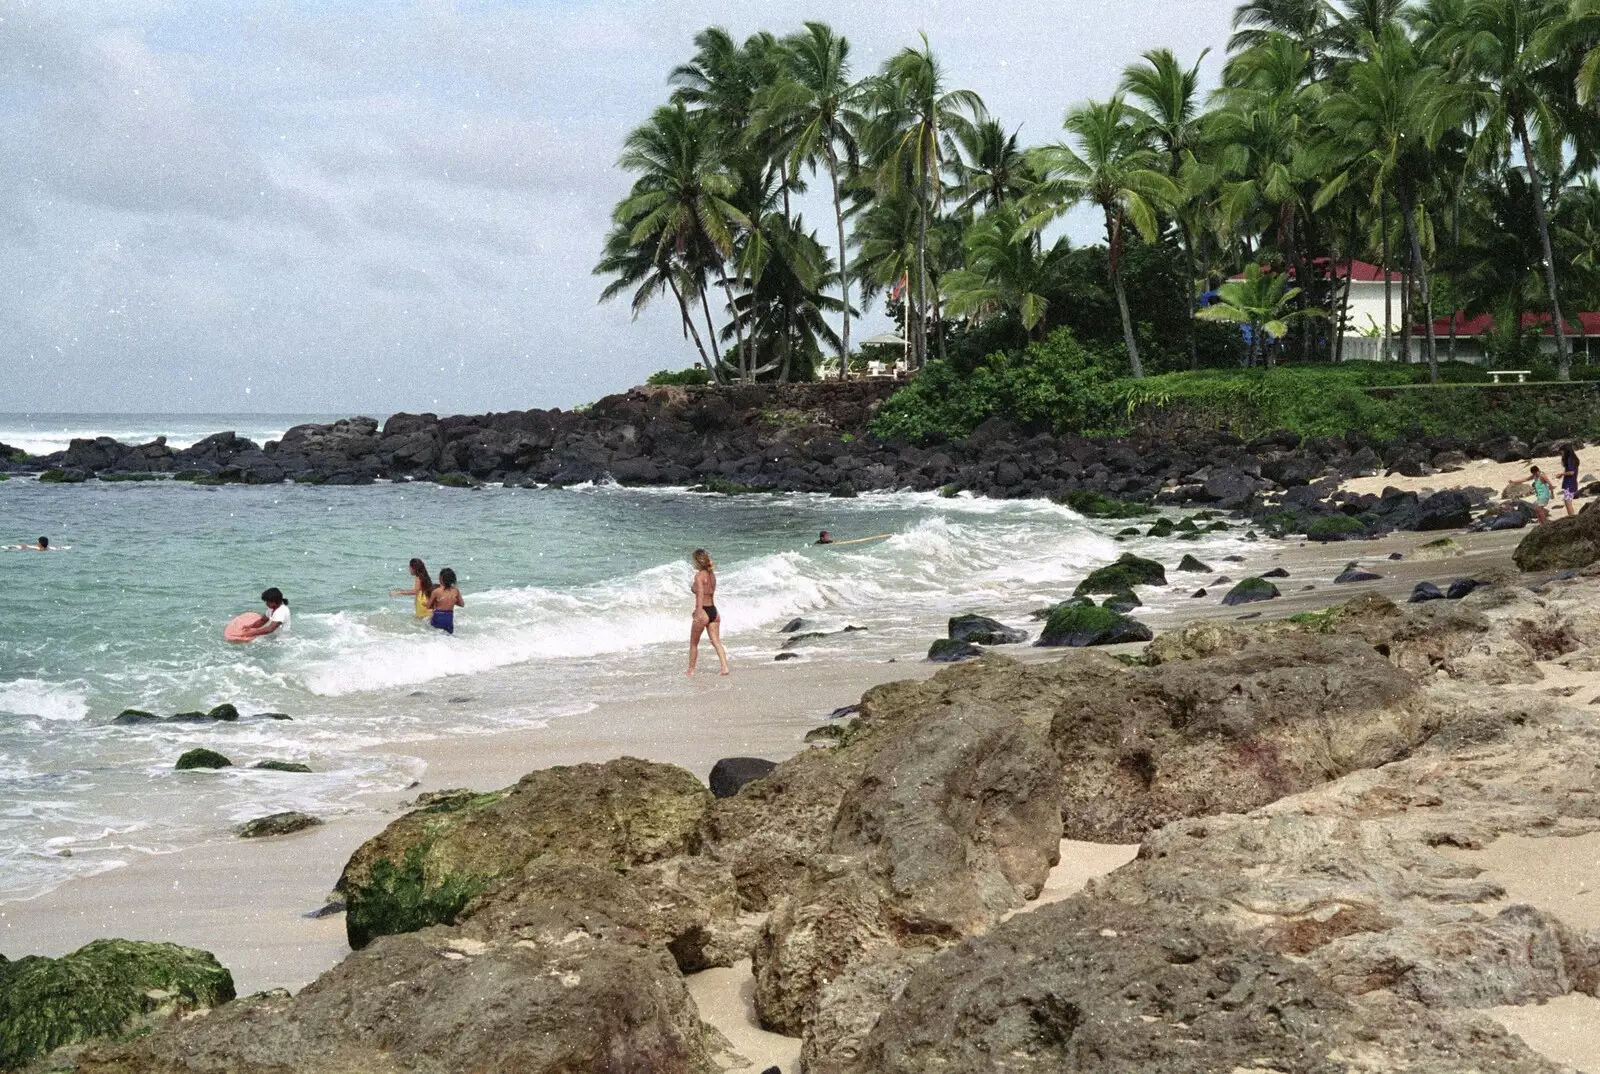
(44, 700)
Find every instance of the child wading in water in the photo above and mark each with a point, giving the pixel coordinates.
(444, 600)
(1541, 496)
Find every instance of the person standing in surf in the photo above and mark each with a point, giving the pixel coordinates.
(705, 619)
(421, 588)
(443, 602)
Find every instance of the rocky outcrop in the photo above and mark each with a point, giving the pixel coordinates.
(108, 988)
(1562, 544)
(565, 990)
(425, 867)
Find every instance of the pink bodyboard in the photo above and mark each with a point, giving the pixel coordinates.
(235, 630)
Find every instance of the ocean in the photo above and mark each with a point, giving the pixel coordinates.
(574, 597)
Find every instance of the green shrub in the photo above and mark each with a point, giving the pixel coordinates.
(682, 378)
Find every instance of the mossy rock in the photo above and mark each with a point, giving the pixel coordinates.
(281, 766)
(190, 475)
(1130, 531)
(277, 824)
(212, 480)
(1076, 626)
(455, 481)
(4, 476)
(1336, 528)
(952, 651)
(1187, 526)
(1126, 601)
(424, 868)
(981, 630)
(202, 758)
(310, 479)
(1163, 528)
(1128, 571)
(1217, 527)
(58, 476)
(1099, 505)
(136, 716)
(108, 988)
(1191, 565)
(844, 490)
(223, 711)
(141, 476)
(1250, 591)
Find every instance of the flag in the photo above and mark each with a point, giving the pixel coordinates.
(898, 290)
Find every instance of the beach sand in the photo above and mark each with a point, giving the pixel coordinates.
(248, 901)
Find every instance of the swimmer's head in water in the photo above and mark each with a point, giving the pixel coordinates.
(823, 536)
(447, 578)
(44, 542)
(273, 597)
(702, 560)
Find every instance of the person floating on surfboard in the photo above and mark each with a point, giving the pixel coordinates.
(827, 538)
(44, 545)
(823, 538)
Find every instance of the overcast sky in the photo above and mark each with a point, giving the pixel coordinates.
(335, 206)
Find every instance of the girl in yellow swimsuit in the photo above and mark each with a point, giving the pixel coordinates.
(421, 588)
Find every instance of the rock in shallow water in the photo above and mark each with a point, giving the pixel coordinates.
(202, 758)
(1077, 626)
(950, 651)
(277, 824)
(981, 630)
(1249, 591)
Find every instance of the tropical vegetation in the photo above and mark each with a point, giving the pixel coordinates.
(1451, 142)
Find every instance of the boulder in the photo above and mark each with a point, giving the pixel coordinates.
(1424, 591)
(1336, 528)
(730, 774)
(570, 991)
(424, 867)
(981, 630)
(1562, 544)
(1189, 564)
(1448, 510)
(277, 824)
(1461, 587)
(1086, 986)
(1353, 573)
(1249, 591)
(201, 758)
(224, 712)
(1076, 626)
(1123, 602)
(109, 988)
(127, 716)
(1128, 571)
(281, 766)
(950, 651)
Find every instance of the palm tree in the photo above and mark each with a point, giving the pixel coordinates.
(1114, 168)
(912, 113)
(1383, 121)
(991, 169)
(1169, 116)
(1264, 303)
(1304, 22)
(1507, 52)
(819, 107)
(784, 310)
(1006, 271)
(649, 270)
(1586, 26)
(681, 201)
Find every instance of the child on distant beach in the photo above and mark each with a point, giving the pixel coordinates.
(1541, 496)
(1569, 477)
(444, 600)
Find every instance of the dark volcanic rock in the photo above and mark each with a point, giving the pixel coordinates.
(729, 775)
(1563, 544)
(1128, 571)
(981, 630)
(1355, 574)
(1249, 591)
(1424, 591)
(1076, 626)
(277, 824)
(950, 651)
(1189, 563)
(202, 758)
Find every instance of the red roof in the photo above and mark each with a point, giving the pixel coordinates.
(1586, 324)
(1360, 271)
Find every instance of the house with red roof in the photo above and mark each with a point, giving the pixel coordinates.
(1582, 331)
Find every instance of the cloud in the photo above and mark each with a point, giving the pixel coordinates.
(371, 207)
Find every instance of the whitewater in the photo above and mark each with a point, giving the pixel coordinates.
(575, 597)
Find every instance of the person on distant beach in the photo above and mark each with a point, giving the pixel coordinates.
(277, 615)
(824, 538)
(705, 619)
(1541, 495)
(42, 546)
(421, 588)
(1569, 476)
(443, 602)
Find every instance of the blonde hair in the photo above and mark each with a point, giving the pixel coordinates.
(702, 560)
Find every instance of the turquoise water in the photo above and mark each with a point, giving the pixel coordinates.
(574, 597)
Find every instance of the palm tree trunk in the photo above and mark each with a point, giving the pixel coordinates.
(1405, 315)
(1388, 284)
(1188, 276)
(688, 324)
(746, 365)
(1563, 354)
(1114, 249)
(1455, 256)
(844, 273)
(711, 330)
(922, 279)
(1409, 209)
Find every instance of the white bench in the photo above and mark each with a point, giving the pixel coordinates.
(1520, 374)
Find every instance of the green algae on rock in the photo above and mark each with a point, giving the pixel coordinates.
(281, 766)
(425, 867)
(1128, 571)
(106, 988)
(1249, 591)
(202, 758)
(1075, 625)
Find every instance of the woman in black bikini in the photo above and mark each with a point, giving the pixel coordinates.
(705, 610)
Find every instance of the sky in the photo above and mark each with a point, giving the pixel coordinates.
(333, 206)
